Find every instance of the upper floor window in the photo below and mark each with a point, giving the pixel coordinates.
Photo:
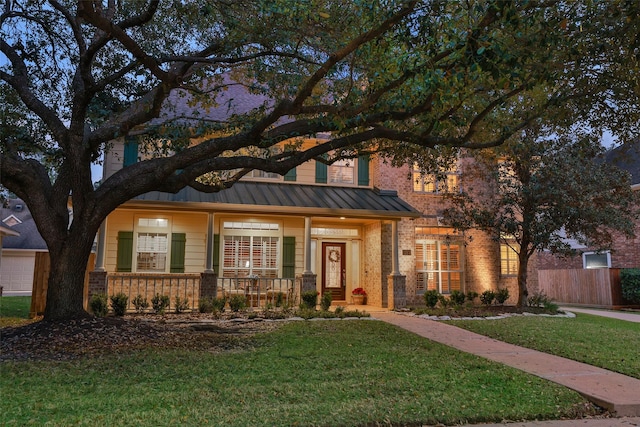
(263, 175)
(431, 183)
(342, 172)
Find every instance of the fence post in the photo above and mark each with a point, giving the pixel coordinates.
(208, 284)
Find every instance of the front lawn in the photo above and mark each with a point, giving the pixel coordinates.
(608, 343)
(330, 373)
(14, 310)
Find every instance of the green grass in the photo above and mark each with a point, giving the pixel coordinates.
(608, 343)
(14, 310)
(329, 373)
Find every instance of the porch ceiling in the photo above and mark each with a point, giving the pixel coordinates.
(284, 198)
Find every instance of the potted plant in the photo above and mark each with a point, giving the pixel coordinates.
(358, 296)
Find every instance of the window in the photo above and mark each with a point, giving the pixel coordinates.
(263, 175)
(152, 244)
(430, 183)
(151, 251)
(438, 266)
(342, 172)
(508, 260)
(596, 260)
(249, 255)
(250, 248)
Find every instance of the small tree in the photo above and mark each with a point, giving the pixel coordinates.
(539, 192)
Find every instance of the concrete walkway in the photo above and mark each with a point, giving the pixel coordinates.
(618, 393)
(630, 316)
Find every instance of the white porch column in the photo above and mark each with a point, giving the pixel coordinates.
(395, 263)
(102, 239)
(307, 245)
(209, 260)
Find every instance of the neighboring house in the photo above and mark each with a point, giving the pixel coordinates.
(625, 252)
(19, 248)
(358, 223)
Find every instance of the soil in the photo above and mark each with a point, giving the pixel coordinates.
(91, 337)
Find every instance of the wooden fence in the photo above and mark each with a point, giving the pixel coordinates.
(595, 287)
(41, 271)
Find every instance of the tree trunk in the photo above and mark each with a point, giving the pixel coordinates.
(65, 291)
(523, 267)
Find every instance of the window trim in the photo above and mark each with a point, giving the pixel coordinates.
(514, 259)
(440, 271)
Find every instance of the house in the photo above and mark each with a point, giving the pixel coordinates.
(325, 228)
(19, 247)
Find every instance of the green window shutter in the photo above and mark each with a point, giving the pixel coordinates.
(216, 253)
(363, 170)
(130, 151)
(291, 175)
(125, 251)
(178, 244)
(289, 257)
(321, 173)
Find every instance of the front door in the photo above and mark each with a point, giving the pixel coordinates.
(334, 270)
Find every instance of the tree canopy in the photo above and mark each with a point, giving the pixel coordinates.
(397, 78)
(543, 192)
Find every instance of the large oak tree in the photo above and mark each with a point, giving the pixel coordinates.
(393, 77)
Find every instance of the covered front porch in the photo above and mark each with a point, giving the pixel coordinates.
(267, 242)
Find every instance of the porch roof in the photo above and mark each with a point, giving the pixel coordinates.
(285, 198)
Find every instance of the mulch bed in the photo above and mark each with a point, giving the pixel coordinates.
(92, 337)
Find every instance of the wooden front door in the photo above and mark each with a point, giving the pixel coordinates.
(334, 271)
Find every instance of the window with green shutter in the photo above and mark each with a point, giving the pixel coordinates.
(321, 173)
(178, 246)
(124, 258)
(291, 175)
(289, 257)
(363, 170)
(130, 151)
(216, 253)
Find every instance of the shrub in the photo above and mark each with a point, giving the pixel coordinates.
(471, 296)
(159, 303)
(99, 305)
(119, 303)
(444, 301)
(457, 297)
(487, 297)
(431, 298)
(502, 295)
(205, 305)
(325, 301)
(630, 281)
(182, 304)
(237, 302)
(339, 310)
(140, 303)
(309, 299)
(538, 300)
(279, 299)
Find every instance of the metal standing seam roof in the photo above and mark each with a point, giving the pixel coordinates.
(285, 198)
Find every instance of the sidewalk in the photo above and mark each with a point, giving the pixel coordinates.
(629, 316)
(618, 393)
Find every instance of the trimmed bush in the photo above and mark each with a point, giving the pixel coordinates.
(309, 299)
(325, 301)
(159, 303)
(457, 297)
(182, 304)
(630, 281)
(502, 295)
(99, 305)
(140, 303)
(431, 298)
(487, 297)
(119, 303)
(471, 296)
(237, 302)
